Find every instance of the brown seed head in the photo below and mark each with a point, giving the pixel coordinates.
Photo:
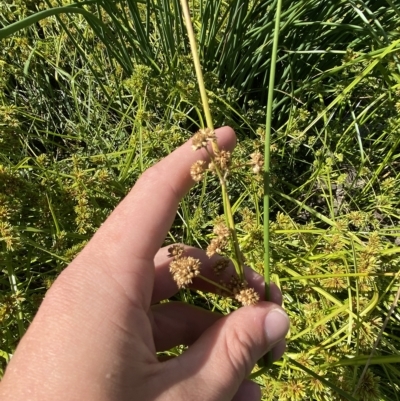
(199, 141)
(184, 270)
(209, 133)
(175, 251)
(242, 292)
(223, 160)
(256, 162)
(197, 170)
(220, 266)
(217, 245)
(247, 296)
(221, 230)
(201, 137)
(236, 285)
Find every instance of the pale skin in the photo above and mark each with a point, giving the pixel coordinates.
(96, 334)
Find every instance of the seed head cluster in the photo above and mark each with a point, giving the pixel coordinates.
(242, 292)
(183, 268)
(202, 137)
(197, 170)
(247, 297)
(256, 162)
(220, 266)
(222, 160)
(221, 230)
(176, 251)
(220, 242)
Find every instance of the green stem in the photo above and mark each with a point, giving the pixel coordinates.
(237, 261)
(267, 361)
(267, 149)
(227, 206)
(14, 288)
(197, 65)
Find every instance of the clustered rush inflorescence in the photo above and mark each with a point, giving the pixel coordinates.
(220, 266)
(257, 162)
(242, 292)
(197, 170)
(185, 268)
(220, 242)
(225, 241)
(220, 161)
(202, 137)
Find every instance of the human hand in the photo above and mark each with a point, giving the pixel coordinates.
(99, 327)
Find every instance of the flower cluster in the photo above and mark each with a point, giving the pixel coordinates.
(220, 266)
(202, 137)
(242, 292)
(220, 242)
(183, 268)
(200, 140)
(222, 161)
(256, 162)
(197, 170)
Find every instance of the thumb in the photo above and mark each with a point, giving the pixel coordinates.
(226, 353)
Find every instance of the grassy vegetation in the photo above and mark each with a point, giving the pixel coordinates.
(89, 100)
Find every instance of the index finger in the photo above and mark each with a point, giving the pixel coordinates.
(130, 238)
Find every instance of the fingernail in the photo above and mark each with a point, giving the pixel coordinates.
(276, 326)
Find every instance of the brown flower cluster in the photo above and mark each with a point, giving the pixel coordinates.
(220, 266)
(256, 162)
(197, 170)
(183, 268)
(222, 161)
(176, 251)
(220, 242)
(202, 137)
(247, 296)
(242, 292)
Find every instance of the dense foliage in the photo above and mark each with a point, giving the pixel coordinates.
(89, 99)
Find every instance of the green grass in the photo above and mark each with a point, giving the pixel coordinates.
(88, 101)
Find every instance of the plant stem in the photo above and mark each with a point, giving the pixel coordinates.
(237, 261)
(197, 65)
(14, 288)
(267, 361)
(227, 206)
(267, 143)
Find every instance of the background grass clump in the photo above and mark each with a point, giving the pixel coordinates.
(89, 100)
